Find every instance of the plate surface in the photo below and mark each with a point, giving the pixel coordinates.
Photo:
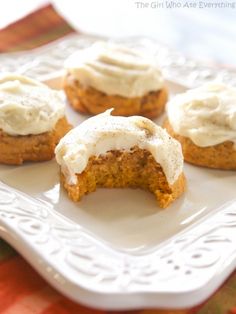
(116, 249)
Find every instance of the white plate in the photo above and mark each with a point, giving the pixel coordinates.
(116, 249)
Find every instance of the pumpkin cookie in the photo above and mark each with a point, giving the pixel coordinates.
(118, 152)
(107, 76)
(203, 120)
(32, 120)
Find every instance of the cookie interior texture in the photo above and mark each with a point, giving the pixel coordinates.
(119, 169)
(17, 149)
(221, 156)
(91, 101)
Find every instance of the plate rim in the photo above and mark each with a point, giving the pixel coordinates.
(24, 227)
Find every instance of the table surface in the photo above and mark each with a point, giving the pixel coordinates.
(207, 34)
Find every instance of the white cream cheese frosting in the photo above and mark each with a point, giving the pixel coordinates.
(104, 132)
(206, 115)
(115, 70)
(28, 106)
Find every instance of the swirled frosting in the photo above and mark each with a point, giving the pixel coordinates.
(115, 70)
(206, 115)
(104, 132)
(28, 106)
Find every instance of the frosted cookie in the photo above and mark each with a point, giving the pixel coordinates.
(32, 120)
(107, 75)
(203, 120)
(110, 151)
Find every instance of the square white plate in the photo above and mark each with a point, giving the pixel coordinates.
(116, 249)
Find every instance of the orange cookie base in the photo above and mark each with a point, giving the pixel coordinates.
(120, 169)
(221, 156)
(91, 101)
(17, 149)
